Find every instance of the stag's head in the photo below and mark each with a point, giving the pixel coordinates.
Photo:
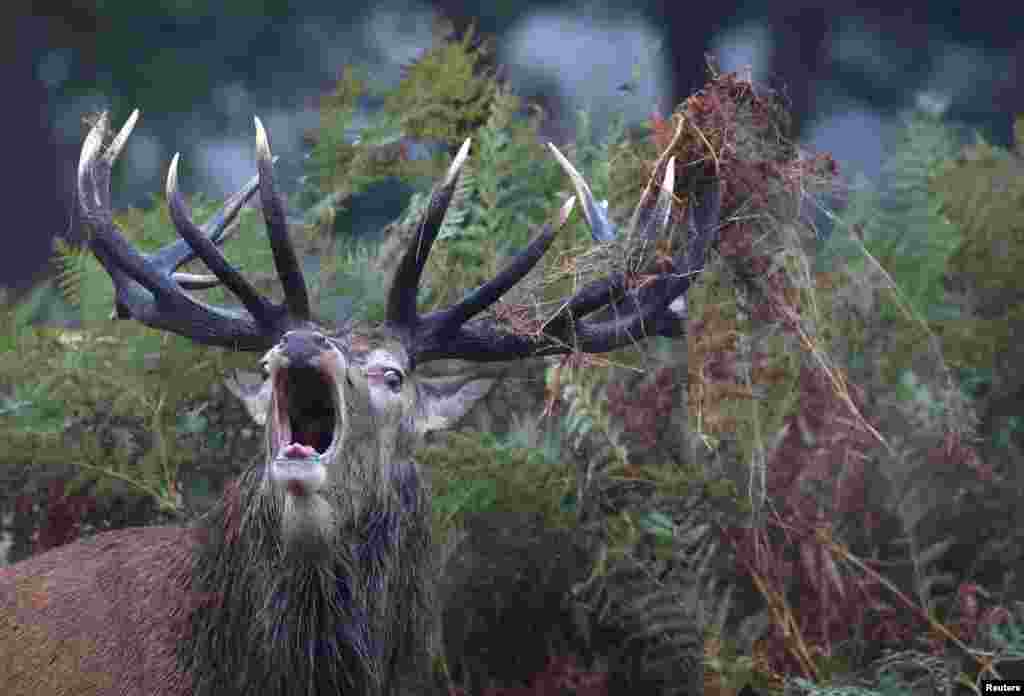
(343, 412)
(343, 408)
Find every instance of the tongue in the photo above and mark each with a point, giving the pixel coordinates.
(297, 450)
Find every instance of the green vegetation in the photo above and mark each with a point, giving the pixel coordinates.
(753, 459)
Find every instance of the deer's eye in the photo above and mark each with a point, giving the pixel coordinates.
(390, 377)
(393, 378)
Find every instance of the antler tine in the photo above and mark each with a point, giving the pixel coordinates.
(645, 213)
(445, 321)
(651, 220)
(702, 227)
(651, 215)
(256, 305)
(93, 175)
(401, 307)
(145, 285)
(657, 311)
(285, 261)
(600, 293)
(196, 281)
(218, 228)
(117, 256)
(653, 309)
(601, 228)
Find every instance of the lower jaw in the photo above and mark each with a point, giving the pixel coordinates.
(305, 460)
(298, 478)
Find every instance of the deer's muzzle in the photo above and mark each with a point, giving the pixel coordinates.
(305, 424)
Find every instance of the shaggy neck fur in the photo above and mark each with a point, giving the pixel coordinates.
(337, 616)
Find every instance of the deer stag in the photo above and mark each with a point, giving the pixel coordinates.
(313, 574)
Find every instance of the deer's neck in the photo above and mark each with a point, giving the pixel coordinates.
(275, 622)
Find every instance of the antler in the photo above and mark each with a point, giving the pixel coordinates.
(657, 308)
(150, 291)
(146, 286)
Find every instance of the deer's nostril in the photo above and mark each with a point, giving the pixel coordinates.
(302, 347)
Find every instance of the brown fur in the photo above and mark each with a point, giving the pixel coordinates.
(98, 617)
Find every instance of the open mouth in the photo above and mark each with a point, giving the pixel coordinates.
(305, 414)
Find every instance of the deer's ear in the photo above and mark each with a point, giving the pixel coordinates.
(443, 401)
(253, 391)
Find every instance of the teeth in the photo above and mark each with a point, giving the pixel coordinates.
(297, 450)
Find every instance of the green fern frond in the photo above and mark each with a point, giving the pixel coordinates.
(658, 636)
(584, 391)
(445, 92)
(902, 223)
(514, 183)
(70, 262)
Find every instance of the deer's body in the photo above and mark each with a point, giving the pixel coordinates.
(314, 573)
(100, 616)
(143, 611)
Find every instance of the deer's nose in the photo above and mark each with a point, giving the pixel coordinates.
(302, 348)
